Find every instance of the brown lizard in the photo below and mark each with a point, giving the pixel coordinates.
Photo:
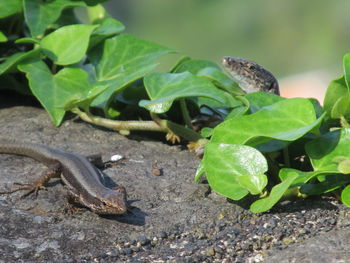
(250, 76)
(83, 180)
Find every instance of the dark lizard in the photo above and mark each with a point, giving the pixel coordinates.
(250, 76)
(83, 180)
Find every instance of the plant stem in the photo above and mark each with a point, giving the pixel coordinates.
(344, 123)
(176, 129)
(286, 157)
(185, 114)
(292, 194)
(156, 124)
(119, 125)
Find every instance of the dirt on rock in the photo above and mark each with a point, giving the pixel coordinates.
(171, 218)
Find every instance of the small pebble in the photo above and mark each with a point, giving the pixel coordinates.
(210, 252)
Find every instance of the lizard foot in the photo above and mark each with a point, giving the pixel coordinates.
(30, 187)
(38, 184)
(172, 137)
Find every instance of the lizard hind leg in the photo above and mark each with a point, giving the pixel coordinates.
(38, 184)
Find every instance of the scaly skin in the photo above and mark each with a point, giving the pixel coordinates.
(82, 179)
(250, 76)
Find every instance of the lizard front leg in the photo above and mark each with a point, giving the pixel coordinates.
(38, 184)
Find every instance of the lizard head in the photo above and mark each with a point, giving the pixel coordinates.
(111, 202)
(249, 75)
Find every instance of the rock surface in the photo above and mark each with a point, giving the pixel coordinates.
(332, 247)
(171, 218)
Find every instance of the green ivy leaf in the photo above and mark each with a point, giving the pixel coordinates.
(324, 150)
(11, 62)
(68, 44)
(178, 63)
(258, 100)
(206, 132)
(96, 13)
(345, 196)
(42, 86)
(302, 178)
(346, 66)
(199, 172)
(276, 193)
(132, 59)
(3, 37)
(337, 99)
(227, 101)
(120, 47)
(239, 110)
(331, 182)
(164, 88)
(209, 70)
(73, 86)
(286, 120)
(9, 8)
(341, 107)
(254, 183)
(317, 106)
(224, 163)
(107, 27)
(27, 40)
(344, 167)
(221, 80)
(55, 91)
(194, 65)
(39, 15)
(336, 95)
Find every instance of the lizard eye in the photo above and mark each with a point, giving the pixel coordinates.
(252, 67)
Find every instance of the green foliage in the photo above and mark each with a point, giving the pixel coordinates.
(39, 15)
(72, 66)
(275, 195)
(288, 120)
(164, 88)
(67, 45)
(265, 145)
(234, 170)
(132, 59)
(306, 147)
(9, 8)
(67, 83)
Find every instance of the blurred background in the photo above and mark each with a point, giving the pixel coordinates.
(301, 42)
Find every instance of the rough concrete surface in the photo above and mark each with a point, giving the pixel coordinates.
(326, 248)
(169, 214)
